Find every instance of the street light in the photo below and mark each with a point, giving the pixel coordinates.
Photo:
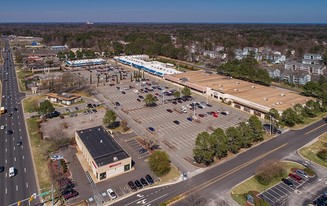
(163, 97)
(193, 109)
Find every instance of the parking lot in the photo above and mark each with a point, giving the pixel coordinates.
(165, 122)
(277, 194)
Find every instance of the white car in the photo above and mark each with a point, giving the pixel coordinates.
(111, 194)
(56, 157)
(2, 126)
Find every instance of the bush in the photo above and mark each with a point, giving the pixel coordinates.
(309, 171)
(270, 170)
(322, 154)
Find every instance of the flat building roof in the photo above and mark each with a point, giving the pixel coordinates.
(272, 97)
(102, 147)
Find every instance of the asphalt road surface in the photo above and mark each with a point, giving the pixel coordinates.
(221, 178)
(23, 184)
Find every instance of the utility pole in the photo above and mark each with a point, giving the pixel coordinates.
(52, 195)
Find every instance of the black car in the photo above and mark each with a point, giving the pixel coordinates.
(15, 109)
(9, 114)
(132, 186)
(138, 184)
(9, 132)
(76, 108)
(117, 104)
(141, 97)
(143, 150)
(149, 179)
(19, 143)
(143, 181)
(288, 182)
(2, 168)
(176, 122)
(94, 110)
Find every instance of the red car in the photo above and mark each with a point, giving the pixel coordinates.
(295, 177)
(169, 110)
(70, 195)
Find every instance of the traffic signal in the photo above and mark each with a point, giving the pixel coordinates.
(32, 197)
(18, 203)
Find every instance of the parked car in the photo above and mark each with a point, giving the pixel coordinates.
(3, 127)
(138, 184)
(111, 193)
(56, 157)
(176, 122)
(288, 182)
(301, 173)
(224, 112)
(169, 110)
(76, 108)
(144, 182)
(138, 100)
(132, 186)
(143, 150)
(190, 119)
(117, 104)
(151, 129)
(149, 179)
(296, 177)
(2, 168)
(70, 195)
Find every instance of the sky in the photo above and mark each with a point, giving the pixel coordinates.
(173, 11)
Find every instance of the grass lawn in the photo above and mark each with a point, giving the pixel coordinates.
(31, 103)
(253, 185)
(173, 175)
(311, 151)
(39, 146)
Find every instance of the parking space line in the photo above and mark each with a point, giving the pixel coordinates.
(281, 189)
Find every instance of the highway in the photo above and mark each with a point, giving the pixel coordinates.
(23, 184)
(221, 178)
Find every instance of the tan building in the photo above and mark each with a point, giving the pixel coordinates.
(104, 155)
(63, 98)
(250, 97)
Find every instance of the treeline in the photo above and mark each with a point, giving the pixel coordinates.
(219, 143)
(246, 69)
(317, 89)
(154, 39)
(80, 54)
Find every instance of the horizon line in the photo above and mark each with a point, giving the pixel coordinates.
(145, 22)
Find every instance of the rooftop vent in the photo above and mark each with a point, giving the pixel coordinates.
(265, 98)
(252, 87)
(236, 90)
(282, 94)
(101, 141)
(115, 159)
(237, 83)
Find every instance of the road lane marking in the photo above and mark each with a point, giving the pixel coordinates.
(220, 177)
(15, 159)
(25, 169)
(23, 157)
(6, 149)
(315, 129)
(6, 161)
(6, 189)
(14, 148)
(148, 203)
(16, 187)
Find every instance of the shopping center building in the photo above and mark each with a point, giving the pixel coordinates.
(250, 97)
(102, 153)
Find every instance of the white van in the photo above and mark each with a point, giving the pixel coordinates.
(12, 172)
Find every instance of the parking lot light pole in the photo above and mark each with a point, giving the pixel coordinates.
(163, 97)
(193, 109)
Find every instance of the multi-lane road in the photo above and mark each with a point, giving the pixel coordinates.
(23, 184)
(218, 180)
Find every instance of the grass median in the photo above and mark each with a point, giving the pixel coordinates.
(311, 151)
(31, 103)
(39, 146)
(239, 192)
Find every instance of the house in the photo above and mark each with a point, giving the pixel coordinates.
(312, 69)
(211, 54)
(310, 58)
(63, 98)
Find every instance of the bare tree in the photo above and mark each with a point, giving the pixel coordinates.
(195, 199)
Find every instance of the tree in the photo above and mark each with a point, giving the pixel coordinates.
(290, 118)
(234, 139)
(246, 135)
(109, 117)
(46, 107)
(219, 143)
(159, 163)
(256, 127)
(273, 113)
(186, 91)
(150, 100)
(202, 151)
(177, 94)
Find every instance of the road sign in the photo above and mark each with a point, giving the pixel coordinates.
(45, 193)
